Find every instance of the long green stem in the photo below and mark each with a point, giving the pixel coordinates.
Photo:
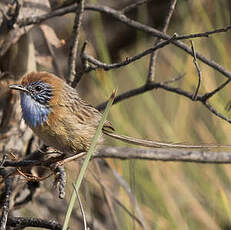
(87, 159)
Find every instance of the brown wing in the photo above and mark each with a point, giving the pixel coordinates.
(84, 112)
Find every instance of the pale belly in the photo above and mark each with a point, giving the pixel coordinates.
(71, 140)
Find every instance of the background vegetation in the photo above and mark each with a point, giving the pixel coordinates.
(169, 195)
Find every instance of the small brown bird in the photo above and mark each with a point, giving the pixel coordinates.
(57, 114)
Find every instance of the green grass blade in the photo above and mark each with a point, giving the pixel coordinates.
(87, 159)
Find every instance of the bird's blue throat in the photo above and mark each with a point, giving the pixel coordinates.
(33, 112)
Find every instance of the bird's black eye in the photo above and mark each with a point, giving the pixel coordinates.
(38, 88)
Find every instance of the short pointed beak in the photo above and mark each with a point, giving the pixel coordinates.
(18, 87)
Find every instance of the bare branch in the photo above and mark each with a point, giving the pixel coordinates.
(105, 189)
(117, 15)
(33, 222)
(86, 69)
(205, 34)
(7, 194)
(134, 5)
(136, 25)
(198, 71)
(139, 26)
(132, 198)
(211, 109)
(97, 174)
(98, 64)
(160, 154)
(146, 88)
(179, 91)
(206, 96)
(75, 40)
(89, 63)
(153, 57)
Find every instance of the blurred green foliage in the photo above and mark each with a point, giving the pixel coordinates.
(173, 195)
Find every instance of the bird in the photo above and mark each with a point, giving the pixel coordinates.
(63, 120)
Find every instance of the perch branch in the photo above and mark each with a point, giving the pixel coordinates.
(33, 222)
(221, 156)
(160, 154)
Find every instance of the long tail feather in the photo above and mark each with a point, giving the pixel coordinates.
(156, 144)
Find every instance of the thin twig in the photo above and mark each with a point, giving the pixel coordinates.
(205, 34)
(6, 202)
(179, 91)
(206, 96)
(134, 5)
(132, 198)
(173, 80)
(132, 183)
(97, 174)
(75, 40)
(139, 26)
(74, 157)
(136, 25)
(79, 74)
(98, 64)
(81, 207)
(153, 57)
(198, 70)
(215, 112)
(129, 212)
(117, 15)
(117, 201)
(146, 88)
